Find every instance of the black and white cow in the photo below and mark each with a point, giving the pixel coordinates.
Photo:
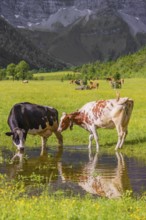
(26, 118)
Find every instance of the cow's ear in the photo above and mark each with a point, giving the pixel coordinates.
(9, 133)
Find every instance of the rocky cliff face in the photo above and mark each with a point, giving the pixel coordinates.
(27, 13)
(79, 31)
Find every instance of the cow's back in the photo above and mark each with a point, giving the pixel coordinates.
(30, 116)
(102, 113)
(87, 107)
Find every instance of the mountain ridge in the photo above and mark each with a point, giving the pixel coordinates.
(79, 31)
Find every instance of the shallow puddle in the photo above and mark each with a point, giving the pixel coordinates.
(76, 172)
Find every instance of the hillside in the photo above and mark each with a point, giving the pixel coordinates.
(15, 47)
(132, 65)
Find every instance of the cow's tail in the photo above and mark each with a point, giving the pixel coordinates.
(128, 107)
(124, 105)
(117, 96)
(121, 101)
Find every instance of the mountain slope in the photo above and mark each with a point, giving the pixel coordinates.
(102, 36)
(79, 31)
(15, 47)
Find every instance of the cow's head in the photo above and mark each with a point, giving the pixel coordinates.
(18, 137)
(65, 122)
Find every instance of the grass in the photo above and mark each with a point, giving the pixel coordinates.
(65, 98)
(15, 203)
(53, 75)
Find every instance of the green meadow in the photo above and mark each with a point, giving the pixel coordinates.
(65, 98)
(15, 204)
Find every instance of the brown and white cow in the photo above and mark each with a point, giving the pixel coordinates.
(112, 113)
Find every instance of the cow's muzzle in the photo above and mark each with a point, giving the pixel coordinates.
(21, 149)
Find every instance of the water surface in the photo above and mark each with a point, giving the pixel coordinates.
(74, 171)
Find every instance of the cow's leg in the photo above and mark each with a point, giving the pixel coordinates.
(95, 135)
(120, 136)
(122, 133)
(44, 141)
(91, 136)
(59, 166)
(120, 159)
(125, 132)
(20, 155)
(60, 138)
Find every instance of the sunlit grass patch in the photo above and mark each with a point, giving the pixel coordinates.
(15, 204)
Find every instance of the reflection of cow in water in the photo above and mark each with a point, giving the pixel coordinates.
(96, 180)
(92, 177)
(47, 167)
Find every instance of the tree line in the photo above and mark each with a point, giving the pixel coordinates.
(20, 71)
(132, 65)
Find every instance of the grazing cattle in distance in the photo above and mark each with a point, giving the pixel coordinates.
(94, 85)
(27, 118)
(72, 81)
(116, 84)
(77, 82)
(25, 81)
(82, 87)
(112, 113)
(108, 79)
